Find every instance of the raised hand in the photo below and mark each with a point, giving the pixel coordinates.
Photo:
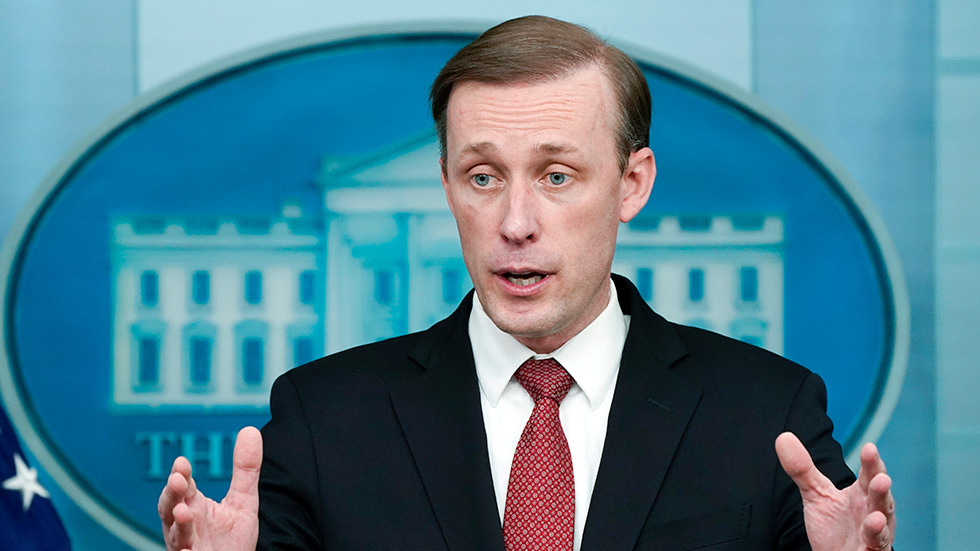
(193, 522)
(860, 517)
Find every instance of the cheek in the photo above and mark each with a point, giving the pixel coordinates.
(595, 237)
(471, 225)
(596, 225)
(470, 216)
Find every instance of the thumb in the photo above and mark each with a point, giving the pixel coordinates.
(246, 465)
(798, 464)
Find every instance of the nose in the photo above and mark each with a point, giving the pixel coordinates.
(520, 218)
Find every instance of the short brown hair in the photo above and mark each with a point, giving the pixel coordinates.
(536, 48)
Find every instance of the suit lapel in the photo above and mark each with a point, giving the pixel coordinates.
(442, 419)
(650, 411)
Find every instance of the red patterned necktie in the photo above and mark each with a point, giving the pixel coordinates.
(540, 510)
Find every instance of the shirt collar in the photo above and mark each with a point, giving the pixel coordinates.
(591, 357)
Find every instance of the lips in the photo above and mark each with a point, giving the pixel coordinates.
(523, 279)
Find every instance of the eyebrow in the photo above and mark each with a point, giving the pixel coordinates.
(487, 147)
(555, 148)
(479, 148)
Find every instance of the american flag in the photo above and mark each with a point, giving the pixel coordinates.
(28, 521)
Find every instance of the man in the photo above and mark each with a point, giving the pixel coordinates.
(448, 439)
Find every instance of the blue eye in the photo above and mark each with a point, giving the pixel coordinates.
(557, 178)
(481, 180)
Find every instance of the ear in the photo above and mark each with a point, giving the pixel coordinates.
(445, 186)
(641, 170)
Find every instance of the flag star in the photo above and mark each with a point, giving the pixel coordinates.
(25, 481)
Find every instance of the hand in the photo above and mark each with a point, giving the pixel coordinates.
(860, 517)
(193, 522)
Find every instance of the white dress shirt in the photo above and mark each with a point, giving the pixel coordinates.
(592, 358)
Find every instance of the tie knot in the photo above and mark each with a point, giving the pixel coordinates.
(544, 379)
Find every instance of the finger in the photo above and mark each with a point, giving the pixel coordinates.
(191, 489)
(181, 535)
(880, 497)
(246, 465)
(183, 467)
(172, 494)
(878, 533)
(174, 491)
(798, 464)
(871, 465)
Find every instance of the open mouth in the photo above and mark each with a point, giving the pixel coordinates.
(525, 279)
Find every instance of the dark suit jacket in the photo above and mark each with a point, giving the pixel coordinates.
(383, 446)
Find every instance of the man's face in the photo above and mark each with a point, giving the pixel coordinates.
(532, 177)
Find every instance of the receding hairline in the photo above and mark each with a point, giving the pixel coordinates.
(534, 49)
(608, 105)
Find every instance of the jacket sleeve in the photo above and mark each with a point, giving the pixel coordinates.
(288, 484)
(807, 419)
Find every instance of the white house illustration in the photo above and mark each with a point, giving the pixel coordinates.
(723, 273)
(393, 260)
(207, 312)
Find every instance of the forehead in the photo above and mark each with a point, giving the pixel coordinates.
(581, 101)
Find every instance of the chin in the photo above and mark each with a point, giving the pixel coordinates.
(523, 325)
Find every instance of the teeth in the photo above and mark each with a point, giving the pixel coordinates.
(524, 281)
